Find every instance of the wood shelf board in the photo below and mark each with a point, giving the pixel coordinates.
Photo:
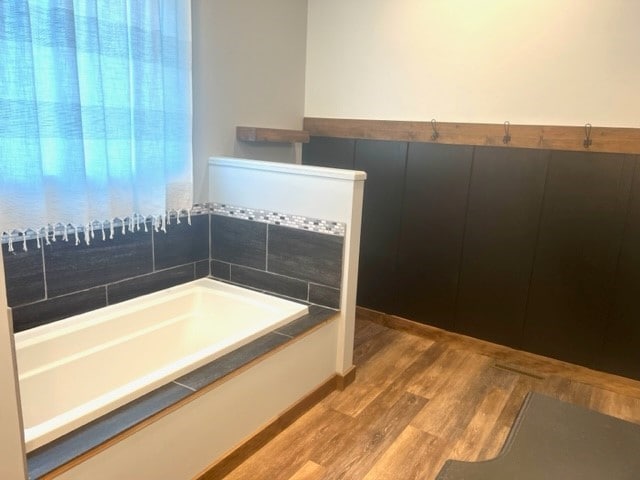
(277, 135)
(604, 139)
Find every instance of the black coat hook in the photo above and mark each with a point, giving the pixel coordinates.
(435, 134)
(587, 135)
(507, 137)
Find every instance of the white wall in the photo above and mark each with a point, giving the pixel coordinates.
(563, 62)
(248, 69)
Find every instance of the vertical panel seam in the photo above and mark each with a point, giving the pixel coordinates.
(609, 315)
(462, 241)
(396, 259)
(525, 313)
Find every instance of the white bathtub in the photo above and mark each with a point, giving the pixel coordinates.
(75, 370)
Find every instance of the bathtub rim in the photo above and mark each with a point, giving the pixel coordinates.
(70, 324)
(41, 434)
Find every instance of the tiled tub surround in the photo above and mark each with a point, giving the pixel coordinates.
(302, 261)
(64, 279)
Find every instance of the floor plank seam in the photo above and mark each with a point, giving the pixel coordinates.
(519, 371)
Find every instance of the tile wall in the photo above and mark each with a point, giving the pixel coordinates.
(63, 279)
(279, 254)
(291, 256)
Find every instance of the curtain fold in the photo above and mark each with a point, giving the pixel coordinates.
(95, 106)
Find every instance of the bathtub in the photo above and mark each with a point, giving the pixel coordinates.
(76, 370)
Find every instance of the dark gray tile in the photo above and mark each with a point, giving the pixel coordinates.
(327, 296)
(239, 241)
(312, 256)
(23, 273)
(74, 444)
(220, 269)
(226, 364)
(183, 243)
(134, 287)
(202, 268)
(316, 316)
(269, 281)
(70, 267)
(47, 311)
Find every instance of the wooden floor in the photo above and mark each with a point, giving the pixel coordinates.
(419, 399)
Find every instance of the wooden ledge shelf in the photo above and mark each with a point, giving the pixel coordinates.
(275, 135)
(603, 139)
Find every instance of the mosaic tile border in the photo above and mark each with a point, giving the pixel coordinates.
(278, 218)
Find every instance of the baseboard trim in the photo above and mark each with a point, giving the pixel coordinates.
(238, 455)
(343, 381)
(528, 363)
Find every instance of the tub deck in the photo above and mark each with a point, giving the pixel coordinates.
(112, 427)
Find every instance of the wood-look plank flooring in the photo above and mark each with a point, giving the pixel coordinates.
(419, 399)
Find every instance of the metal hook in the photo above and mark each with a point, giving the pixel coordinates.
(587, 134)
(507, 138)
(435, 134)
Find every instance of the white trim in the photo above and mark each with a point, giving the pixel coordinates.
(293, 169)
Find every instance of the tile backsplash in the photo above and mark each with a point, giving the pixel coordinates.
(297, 263)
(63, 279)
(283, 254)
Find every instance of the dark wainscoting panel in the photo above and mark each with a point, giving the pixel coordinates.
(505, 202)
(329, 152)
(585, 206)
(621, 349)
(433, 217)
(385, 164)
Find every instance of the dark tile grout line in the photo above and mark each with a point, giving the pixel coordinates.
(278, 274)
(269, 292)
(44, 275)
(153, 251)
(184, 386)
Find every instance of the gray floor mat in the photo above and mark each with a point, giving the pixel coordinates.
(551, 440)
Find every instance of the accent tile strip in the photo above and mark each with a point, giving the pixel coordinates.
(279, 218)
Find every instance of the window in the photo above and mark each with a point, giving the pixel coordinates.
(95, 100)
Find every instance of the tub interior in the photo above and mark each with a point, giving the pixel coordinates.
(80, 368)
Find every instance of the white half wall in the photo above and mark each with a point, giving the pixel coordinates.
(556, 62)
(317, 192)
(12, 459)
(248, 70)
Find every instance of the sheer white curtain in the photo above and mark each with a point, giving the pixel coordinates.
(95, 105)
